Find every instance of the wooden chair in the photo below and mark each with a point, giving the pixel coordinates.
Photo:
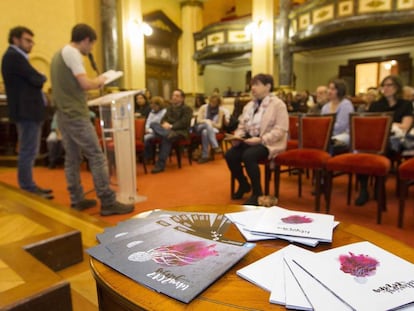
(369, 134)
(315, 132)
(405, 179)
(139, 141)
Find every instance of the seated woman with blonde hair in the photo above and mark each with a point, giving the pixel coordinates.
(209, 122)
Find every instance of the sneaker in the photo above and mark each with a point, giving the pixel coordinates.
(157, 169)
(217, 150)
(43, 190)
(117, 208)
(44, 195)
(203, 160)
(84, 204)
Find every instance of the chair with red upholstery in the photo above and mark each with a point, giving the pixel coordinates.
(139, 141)
(369, 134)
(293, 139)
(315, 132)
(177, 147)
(405, 179)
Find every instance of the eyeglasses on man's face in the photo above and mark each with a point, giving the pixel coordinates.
(28, 40)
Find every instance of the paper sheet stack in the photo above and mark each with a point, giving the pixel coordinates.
(279, 223)
(359, 276)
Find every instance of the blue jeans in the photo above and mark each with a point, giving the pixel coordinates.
(148, 146)
(165, 145)
(29, 133)
(208, 136)
(80, 140)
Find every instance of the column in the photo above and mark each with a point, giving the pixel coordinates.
(132, 44)
(262, 36)
(285, 57)
(109, 35)
(191, 21)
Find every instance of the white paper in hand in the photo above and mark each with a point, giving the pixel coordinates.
(112, 75)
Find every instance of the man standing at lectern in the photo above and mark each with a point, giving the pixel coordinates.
(79, 138)
(26, 105)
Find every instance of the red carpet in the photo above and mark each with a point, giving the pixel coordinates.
(210, 184)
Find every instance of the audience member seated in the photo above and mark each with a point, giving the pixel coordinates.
(148, 94)
(289, 101)
(233, 121)
(369, 97)
(391, 100)
(142, 105)
(263, 126)
(342, 107)
(209, 122)
(299, 103)
(198, 102)
(321, 99)
(174, 125)
(408, 94)
(156, 114)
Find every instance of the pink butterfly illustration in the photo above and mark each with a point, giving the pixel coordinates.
(176, 255)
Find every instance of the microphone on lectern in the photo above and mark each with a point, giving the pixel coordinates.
(93, 64)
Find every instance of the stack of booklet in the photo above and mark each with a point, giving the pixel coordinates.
(359, 276)
(279, 223)
(174, 253)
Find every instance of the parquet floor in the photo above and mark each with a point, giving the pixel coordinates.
(21, 219)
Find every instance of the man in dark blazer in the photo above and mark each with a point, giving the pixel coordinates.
(26, 104)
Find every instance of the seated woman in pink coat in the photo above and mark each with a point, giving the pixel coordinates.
(263, 126)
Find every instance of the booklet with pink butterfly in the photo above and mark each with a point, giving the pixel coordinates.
(170, 261)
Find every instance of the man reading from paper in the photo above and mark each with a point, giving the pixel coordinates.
(69, 83)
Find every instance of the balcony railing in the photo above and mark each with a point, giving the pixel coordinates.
(313, 25)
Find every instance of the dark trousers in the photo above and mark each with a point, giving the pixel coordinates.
(250, 157)
(29, 133)
(166, 143)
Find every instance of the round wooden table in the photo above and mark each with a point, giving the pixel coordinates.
(230, 292)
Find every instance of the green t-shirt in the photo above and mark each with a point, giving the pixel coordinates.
(67, 94)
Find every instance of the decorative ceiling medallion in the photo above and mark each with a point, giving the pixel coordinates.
(215, 38)
(237, 36)
(200, 44)
(304, 21)
(345, 8)
(323, 14)
(369, 6)
(405, 4)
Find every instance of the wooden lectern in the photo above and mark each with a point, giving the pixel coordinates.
(116, 113)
